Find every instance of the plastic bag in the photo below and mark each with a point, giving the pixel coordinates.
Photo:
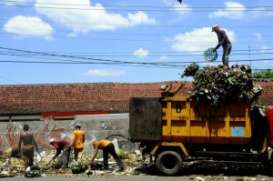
(116, 146)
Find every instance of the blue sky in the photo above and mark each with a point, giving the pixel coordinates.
(154, 31)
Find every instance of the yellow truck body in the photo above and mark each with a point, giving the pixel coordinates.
(173, 129)
(186, 122)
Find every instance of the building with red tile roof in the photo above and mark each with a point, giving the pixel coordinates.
(87, 98)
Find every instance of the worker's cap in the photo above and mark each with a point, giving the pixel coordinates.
(77, 125)
(52, 140)
(215, 27)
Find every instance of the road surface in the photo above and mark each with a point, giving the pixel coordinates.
(145, 178)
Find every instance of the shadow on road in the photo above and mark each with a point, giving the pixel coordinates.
(214, 169)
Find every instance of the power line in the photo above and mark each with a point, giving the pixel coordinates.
(170, 65)
(152, 39)
(136, 5)
(177, 26)
(81, 60)
(254, 50)
(236, 53)
(262, 52)
(136, 63)
(86, 63)
(65, 55)
(144, 8)
(67, 61)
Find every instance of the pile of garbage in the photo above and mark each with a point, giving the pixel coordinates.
(191, 70)
(10, 166)
(78, 167)
(33, 171)
(216, 85)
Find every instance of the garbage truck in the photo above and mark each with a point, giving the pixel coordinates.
(174, 131)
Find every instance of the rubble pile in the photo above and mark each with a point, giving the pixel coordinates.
(34, 171)
(216, 85)
(78, 167)
(10, 166)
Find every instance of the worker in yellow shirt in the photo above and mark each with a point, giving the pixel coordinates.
(78, 139)
(107, 147)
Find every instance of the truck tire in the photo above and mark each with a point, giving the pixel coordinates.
(169, 162)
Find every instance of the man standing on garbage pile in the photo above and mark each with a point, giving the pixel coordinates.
(107, 147)
(78, 139)
(29, 144)
(63, 148)
(223, 41)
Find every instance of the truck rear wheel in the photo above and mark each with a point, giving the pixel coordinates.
(169, 162)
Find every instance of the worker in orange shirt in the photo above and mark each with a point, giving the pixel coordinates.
(78, 139)
(107, 147)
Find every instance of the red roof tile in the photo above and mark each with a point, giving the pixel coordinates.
(114, 97)
(28, 99)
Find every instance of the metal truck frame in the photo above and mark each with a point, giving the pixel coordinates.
(173, 130)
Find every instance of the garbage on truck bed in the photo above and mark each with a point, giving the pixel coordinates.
(191, 69)
(216, 85)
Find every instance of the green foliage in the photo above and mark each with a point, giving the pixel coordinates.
(191, 70)
(264, 74)
(218, 85)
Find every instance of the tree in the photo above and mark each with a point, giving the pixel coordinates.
(264, 74)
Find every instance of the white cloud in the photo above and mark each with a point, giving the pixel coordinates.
(197, 40)
(140, 18)
(81, 16)
(232, 10)
(28, 26)
(105, 73)
(182, 8)
(141, 53)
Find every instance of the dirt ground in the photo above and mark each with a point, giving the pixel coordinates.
(136, 170)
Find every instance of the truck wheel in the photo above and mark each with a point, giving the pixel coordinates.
(169, 162)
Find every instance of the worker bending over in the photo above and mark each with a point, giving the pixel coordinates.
(223, 41)
(107, 147)
(63, 149)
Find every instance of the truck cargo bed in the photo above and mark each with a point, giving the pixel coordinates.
(145, 119)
